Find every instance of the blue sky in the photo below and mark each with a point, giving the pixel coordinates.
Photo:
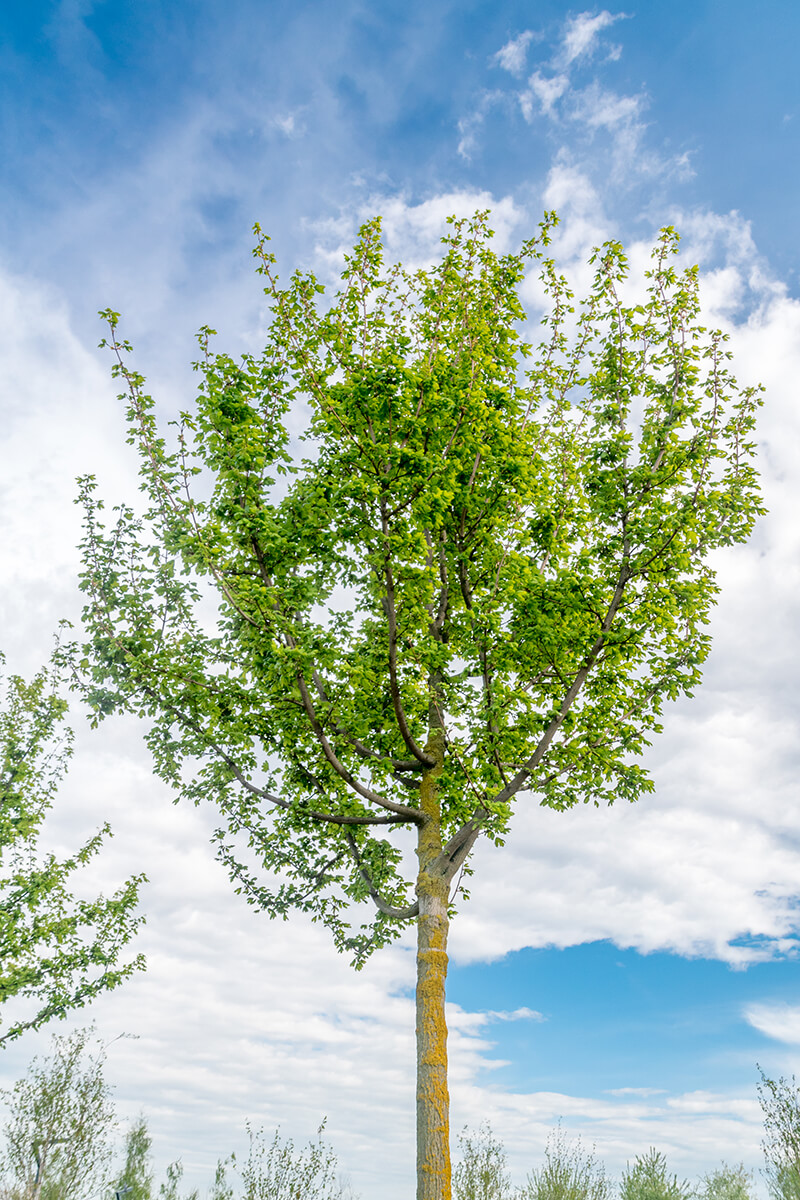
(622, 970)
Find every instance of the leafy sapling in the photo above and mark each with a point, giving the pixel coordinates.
(569, 1172)
(474, 586)
(480, 1173)
(648, 1179)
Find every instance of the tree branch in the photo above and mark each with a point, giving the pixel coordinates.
(396, 764)
(391, 618)
(544, 744)
(407, 813)
(401, 914)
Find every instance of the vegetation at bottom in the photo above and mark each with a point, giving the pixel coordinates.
(61, 1132)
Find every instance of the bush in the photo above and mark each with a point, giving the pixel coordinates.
(780, 1102)
(568, 1173)
(726, 1183)
(481, 1174)
(647, 1179)
(276, 1171)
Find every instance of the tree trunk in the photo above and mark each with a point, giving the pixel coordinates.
(433, 1099)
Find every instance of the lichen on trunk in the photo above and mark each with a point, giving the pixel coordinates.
(433, 1099)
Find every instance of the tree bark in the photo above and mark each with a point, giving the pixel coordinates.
(433, 1099)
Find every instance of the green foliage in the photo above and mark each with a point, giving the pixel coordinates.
(170, 1188)
(726, 1183)
(505, 543)
(275, 1170)
(57, 1135)
(135, 1180)
(481, 1172)
(647, 1179)
(780, 1103)
(222, 1188)
(568, 1173)
(55, 949)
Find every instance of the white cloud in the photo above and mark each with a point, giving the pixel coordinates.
(599, 108)
(290, 123)
(511, 57)
(412, 232)
(558, 94)
(581, 34)
(778, 1021)
(517, 1014)
(546, 90)
(469, 127)
(60, 420)
(644, 1092)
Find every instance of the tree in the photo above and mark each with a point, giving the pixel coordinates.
(170, 1189)
(482, 581)
(569, 1173)
(780, 1103)
(647, 1179)
(135, 1181)
(726, 1183)
(57, 949)
(57, 1136)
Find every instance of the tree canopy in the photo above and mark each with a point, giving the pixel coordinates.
(454, 571)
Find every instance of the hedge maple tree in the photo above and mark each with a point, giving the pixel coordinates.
(472, 581)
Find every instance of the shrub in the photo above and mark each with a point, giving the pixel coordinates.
(647, 1179)
(726, 1183)
(780, 1102)
(569, 1173)
(276, 1171)
(481, 1174)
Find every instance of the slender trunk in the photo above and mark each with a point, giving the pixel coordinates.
(433, 1100)
(40, 1154)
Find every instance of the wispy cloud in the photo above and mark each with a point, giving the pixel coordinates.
(513, 55)
(517, 1014)
(581, 34)
(469, 127)
(778, 1021)
(546, 89)
(599, 107)
(566, 97)
(290, 123)
(644, 1092)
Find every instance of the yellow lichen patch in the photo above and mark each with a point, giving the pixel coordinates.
(433, 1099)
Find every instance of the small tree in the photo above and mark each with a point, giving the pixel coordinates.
(482, 582)
(170, 1188)
(726, 1183)
(61, 1116)
(481, 1172)
(55, 949)
(780, 1103)
(222, 1188)
(568, 1173)
(647, 1179)
(136, 1178)
(275, 1170)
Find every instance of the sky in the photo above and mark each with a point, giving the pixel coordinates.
(620, 970)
